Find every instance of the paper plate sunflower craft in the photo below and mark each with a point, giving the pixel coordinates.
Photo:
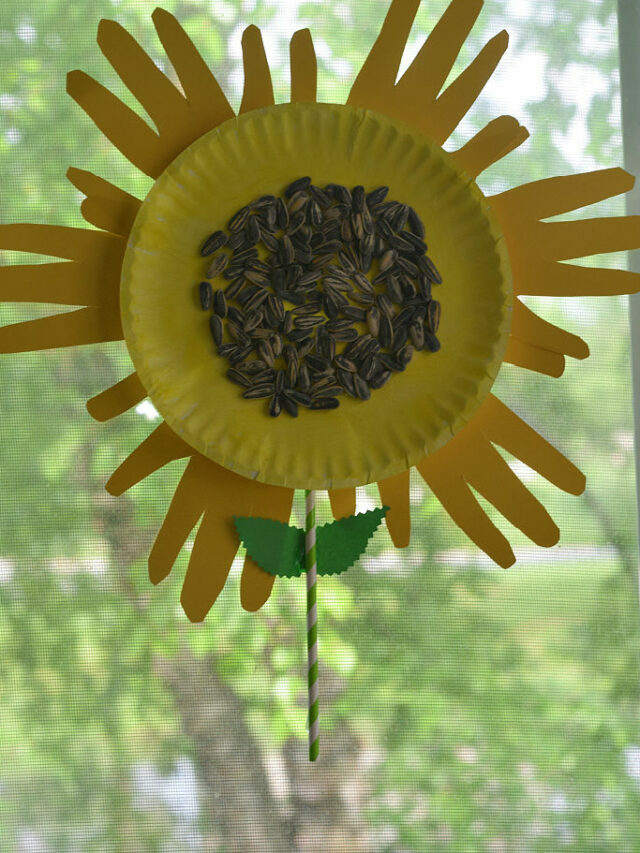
(317, 296)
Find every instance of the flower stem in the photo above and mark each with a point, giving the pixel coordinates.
(312, 622)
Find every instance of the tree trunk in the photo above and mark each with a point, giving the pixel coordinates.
(229, 763)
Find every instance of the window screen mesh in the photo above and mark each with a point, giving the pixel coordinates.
(463, 708)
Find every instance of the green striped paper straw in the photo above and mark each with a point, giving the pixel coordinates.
(312, 622)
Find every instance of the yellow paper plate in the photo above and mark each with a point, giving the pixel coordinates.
(167, 333)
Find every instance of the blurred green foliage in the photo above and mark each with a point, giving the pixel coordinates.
(462, 709)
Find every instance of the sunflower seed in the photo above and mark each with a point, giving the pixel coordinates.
(265, 352)
(320, 197)
(380, 379)
(343, 195)
(288, 250)
(361, 388)
(407, 266)
(282, 214)
(430, 270)
(297, 185)
(290, 406)
(304, 380)
(363, 298)
(257, 392)
(299, 335)
(275, 406)
(213, 242)
(424, 286)
(204, 294)
(269, 218)
(377, 196)
(220, 303)
(322, 403)
(234, 288)
(239, 378)
(217, 265)
(353, 313)
(343, 363)
(239, 219)
(369, 368)
(314, 214)
(252, 367)
(256, 299)
(298, 201)
(400, 337)
(252, 230)
(373, 320)
(415, 223)
(405, 354)
(358, 198)
(394, 290)
(299, 397)
(416, 332)
(253, 319)
(308, 321)
(345, 335)
(239, 354)
(267, 375)
(433, 316)
(235, 314)
(385, 333)
(236, 241)
(345, 378)
(223, 349)
(215, 324)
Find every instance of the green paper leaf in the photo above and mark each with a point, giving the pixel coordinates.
(275, 546)
(279, 549)
(342, 542)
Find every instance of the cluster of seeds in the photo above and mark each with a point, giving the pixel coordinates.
(329, 293)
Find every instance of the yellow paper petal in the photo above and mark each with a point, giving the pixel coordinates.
(428, 72)
(209, 105)
(157, 450)
(75, 328)
(487, 472)
(217, 542)
(380, 69)
(59, 241)
(187, 505)
(554, 279)
(59, 284)
(106, 206)
(304, 67)
(532, 357)
(117, 399)
(490, 144)
(503, 427)
(213, 552)
(458, 501)
(120, 124)
(343, 502)
(470, 459)
(457, 99)
(560, 241)
(255, 583)
(258, 90)
(394, 493)
(163, 102)
(552, 196)
(533, 330)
